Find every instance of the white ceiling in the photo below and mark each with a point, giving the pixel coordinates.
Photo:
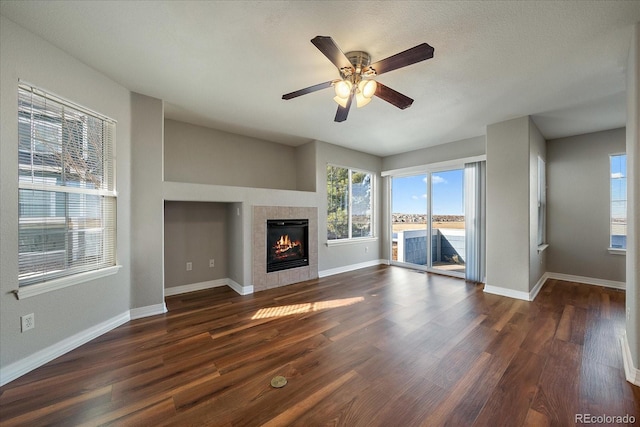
(226, 64)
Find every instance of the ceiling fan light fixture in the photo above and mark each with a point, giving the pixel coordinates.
(357, 75)
(343, 89)
(361, 100)
(341, 101)
(367, 88)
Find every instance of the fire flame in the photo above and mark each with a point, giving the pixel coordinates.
(285, 244)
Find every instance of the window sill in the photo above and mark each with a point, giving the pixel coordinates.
(617, 251)
(541, 248)
(64, 282)
(351, 241)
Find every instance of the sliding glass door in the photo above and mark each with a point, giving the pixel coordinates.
(410, 220)
(428, 223)
(447, 220)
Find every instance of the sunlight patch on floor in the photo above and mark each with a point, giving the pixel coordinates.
(287, 310)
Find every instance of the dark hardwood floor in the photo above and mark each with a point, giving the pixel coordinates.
(381, 346)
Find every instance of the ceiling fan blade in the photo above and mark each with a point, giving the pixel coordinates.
(410, 56)
(307, 90)
(330, 49)
(343, 112)
(393, 97)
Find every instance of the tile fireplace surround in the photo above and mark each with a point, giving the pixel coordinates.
(263, 280)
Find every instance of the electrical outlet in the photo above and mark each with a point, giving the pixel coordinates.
(189, 266)
(28, 321)
(366, 249)
(212, 263)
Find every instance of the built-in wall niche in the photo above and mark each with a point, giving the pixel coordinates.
(198, 237)
(201, 155)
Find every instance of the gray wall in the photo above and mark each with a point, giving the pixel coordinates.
(508, 204)
(207, 156)
(633, 199)
(306, 162)
(450, 151)
(235, 263)
(578, 205)
(147, 209)
(58, 314)
(195, 232)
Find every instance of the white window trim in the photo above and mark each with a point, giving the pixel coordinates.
(433, 167)
(541, 232)
(617, 251)
(64, 282)
(373, 237)
(351, 241)
(542, 247)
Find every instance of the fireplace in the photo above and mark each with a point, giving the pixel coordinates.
(287, 244)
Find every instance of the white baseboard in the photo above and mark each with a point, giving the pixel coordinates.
(497, 290)
(631, 372)
(39, 358)
(150, 310)
(506, 292)
(242, 290)
(587, 280)
(177, 290)
(536, 289)
(351, 267)
(526, 296)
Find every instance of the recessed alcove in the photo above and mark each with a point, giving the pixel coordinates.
(196, 233)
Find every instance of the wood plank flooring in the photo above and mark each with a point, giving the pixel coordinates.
(381, 346)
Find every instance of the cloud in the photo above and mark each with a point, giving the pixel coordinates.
(617, 175)
(437, 179)
(414, 197)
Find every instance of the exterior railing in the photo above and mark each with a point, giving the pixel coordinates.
(447, 246)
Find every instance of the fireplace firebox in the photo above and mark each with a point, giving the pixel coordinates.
(287, 244)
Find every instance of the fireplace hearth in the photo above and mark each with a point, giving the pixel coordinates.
(287, 244)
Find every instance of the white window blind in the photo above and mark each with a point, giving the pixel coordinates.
(67, 197)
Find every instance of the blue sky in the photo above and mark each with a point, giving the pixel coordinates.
(410, 193)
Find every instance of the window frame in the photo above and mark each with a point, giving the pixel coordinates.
(75, 195)
(350, 239)
(611, 249)
(542, 205)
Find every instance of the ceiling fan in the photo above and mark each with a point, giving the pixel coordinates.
(357, 76)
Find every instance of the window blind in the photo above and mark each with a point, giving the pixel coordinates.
(66, 188)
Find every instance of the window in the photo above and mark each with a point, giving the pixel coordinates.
(542, 202)
(349, 203)
(618, 206)
(66, 188)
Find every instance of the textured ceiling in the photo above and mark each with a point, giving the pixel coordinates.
(226, 64)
